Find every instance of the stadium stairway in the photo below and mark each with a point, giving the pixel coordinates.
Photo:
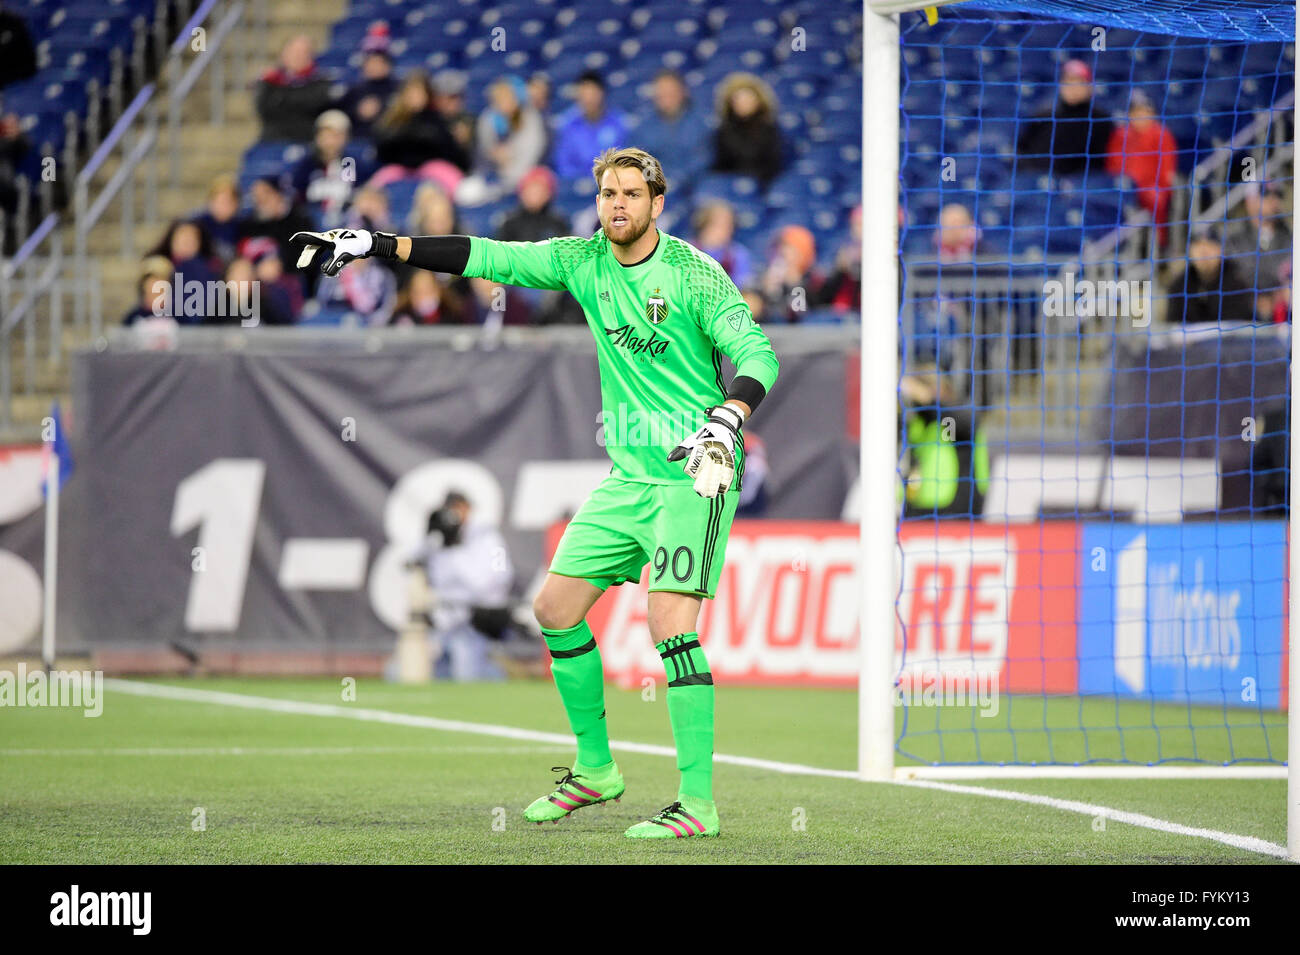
(207, 150)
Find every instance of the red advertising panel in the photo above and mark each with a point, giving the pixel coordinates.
(975, 599)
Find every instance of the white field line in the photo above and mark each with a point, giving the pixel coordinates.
(1249, 843)
(275, 750)
(1097, 771)
(303, 708)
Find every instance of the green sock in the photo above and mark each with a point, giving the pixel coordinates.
(690, 708)
(580, 678)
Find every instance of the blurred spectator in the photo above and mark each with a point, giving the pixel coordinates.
(586, 129)
(292, 94)
(675, 130)
(427, 301)
(365, 287)
(17, 51)
(412, 138)
(280, 289)
(748, 140)
(948, 458)
(277, 217)
(449, 101)
(189, 249)
(370, 210)
(534, 219)
(789, 283)
(268, 305)
(1259, 245)
(958, 235)
(754, 299)
(432, 213)
(1073, 132)
(511, 141)
(13, 147)
(842, 289)
(937, 322)
(155, 291)
(323, 179)
(715, 235)
(365, 100)
(1209, 288)
(1144, 150)
(539, 98)
(1282, 297)
(496, 304)
(539, 93)
(220, 217)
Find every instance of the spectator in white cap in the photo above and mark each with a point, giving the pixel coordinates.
(323, 180)
(449, 100)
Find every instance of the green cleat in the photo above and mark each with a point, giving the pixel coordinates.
(595, 788)
(686, 817)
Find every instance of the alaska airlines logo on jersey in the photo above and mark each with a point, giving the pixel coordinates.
(623, 337)
(656, 308)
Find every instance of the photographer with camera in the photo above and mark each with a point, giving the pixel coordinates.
(470, 573)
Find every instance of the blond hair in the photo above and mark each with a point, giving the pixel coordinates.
(767, 103)
(629, 157)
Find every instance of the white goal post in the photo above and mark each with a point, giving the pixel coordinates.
(878, 455)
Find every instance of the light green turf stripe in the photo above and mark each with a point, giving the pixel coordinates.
(302, 708)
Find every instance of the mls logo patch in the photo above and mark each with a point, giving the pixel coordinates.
(735, 318)
(656, 308)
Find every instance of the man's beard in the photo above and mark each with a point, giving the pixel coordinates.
(636, 230)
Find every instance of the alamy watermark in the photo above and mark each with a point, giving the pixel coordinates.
(1087, 298)
(978, 689)
(212, 299)
(82, 689)
(626, 427)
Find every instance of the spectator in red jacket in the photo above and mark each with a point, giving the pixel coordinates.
(1144, 150)
(842, 290)
(292, 94)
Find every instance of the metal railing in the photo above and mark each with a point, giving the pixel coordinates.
(38, 283)
(34, 282)
(86, 213)
(182, 80)
(985, 325)
(137, 145)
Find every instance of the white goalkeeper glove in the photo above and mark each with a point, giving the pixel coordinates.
(333, 249)
(711, 452)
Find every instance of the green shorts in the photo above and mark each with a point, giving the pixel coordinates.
(625, 524)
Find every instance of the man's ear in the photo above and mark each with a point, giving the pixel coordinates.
(657, 206)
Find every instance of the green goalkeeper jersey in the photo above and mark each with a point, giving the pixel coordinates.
(661, 328)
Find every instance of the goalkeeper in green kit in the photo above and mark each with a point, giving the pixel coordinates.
(663, 314)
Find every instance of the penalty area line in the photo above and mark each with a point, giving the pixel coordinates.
(305, 708)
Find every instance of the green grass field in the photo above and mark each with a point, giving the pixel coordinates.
(287, 787)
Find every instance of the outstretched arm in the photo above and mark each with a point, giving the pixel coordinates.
(530, 264)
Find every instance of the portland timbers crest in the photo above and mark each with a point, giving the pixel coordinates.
(656, 308)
